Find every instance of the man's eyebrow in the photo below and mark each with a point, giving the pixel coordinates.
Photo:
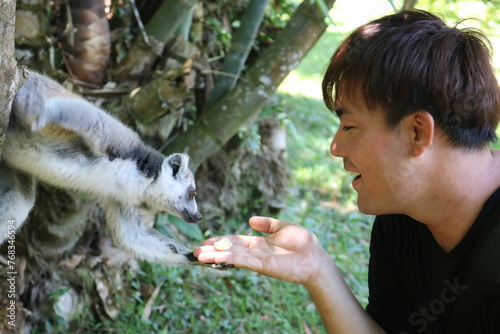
(340, 111)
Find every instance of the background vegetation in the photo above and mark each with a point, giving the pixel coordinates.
(152, 298)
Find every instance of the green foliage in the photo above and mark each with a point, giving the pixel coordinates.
(222, 36)
(279, 12)
(496, 145)
(165, 223)
(454, 10)
(250, 137)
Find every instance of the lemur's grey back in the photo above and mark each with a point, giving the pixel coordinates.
(99, 130)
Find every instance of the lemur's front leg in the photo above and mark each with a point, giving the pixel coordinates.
(132, 230)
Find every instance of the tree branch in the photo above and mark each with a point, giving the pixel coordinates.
(241, 45)
(161, 28)
(409, 4)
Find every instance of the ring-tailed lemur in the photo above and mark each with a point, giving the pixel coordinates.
(57, 137)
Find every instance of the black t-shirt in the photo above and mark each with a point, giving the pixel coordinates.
(414, 284)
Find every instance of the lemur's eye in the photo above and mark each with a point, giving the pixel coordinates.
(192, 194)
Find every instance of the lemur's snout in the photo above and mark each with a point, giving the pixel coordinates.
(192, 217)
(196, 217)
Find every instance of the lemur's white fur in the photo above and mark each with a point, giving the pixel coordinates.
(57, 137)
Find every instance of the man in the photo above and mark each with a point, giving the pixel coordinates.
(418, 104)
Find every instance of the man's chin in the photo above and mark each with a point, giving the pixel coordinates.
(366, 208)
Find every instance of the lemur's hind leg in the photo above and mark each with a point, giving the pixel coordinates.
(17, 198)
(82, 117)
(132, 231)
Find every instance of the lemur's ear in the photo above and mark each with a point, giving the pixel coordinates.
(176, 162)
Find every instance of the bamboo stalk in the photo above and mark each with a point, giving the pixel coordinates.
(238, 54)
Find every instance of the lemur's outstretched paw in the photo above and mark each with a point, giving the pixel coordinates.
(221, 266)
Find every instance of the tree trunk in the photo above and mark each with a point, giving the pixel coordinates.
(409, 4)
(9, 80)
(168, 18)
(10, 311)
(243, 103)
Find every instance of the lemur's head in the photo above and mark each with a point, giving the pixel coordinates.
(174, 190)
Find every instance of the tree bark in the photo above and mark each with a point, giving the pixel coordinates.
(243, 103)
(9, 80)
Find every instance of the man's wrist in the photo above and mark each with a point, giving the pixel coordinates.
(324, 276)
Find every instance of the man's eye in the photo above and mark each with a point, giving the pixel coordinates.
(347, 128)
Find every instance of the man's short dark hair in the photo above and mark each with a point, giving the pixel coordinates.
(411, 61)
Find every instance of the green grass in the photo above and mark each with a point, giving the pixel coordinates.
(201, 301)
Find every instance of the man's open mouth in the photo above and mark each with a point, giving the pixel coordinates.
(356, 175)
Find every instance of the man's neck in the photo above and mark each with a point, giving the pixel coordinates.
(457, 194)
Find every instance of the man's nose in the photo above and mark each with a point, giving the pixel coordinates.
(337, 148)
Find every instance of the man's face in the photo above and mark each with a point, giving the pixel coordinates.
(377, 156)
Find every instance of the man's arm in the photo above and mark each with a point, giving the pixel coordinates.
(338, 307)
(292, 253)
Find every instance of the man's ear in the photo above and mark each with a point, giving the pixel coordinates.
(422, 130)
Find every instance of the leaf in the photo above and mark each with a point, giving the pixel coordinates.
(148, 308)
(191, 230)
(162, 225)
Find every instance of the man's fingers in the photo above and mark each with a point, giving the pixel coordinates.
(238, 259)
(266, 224)
(240, 245)
(213, 240)
(240, 240)
(261, 224)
